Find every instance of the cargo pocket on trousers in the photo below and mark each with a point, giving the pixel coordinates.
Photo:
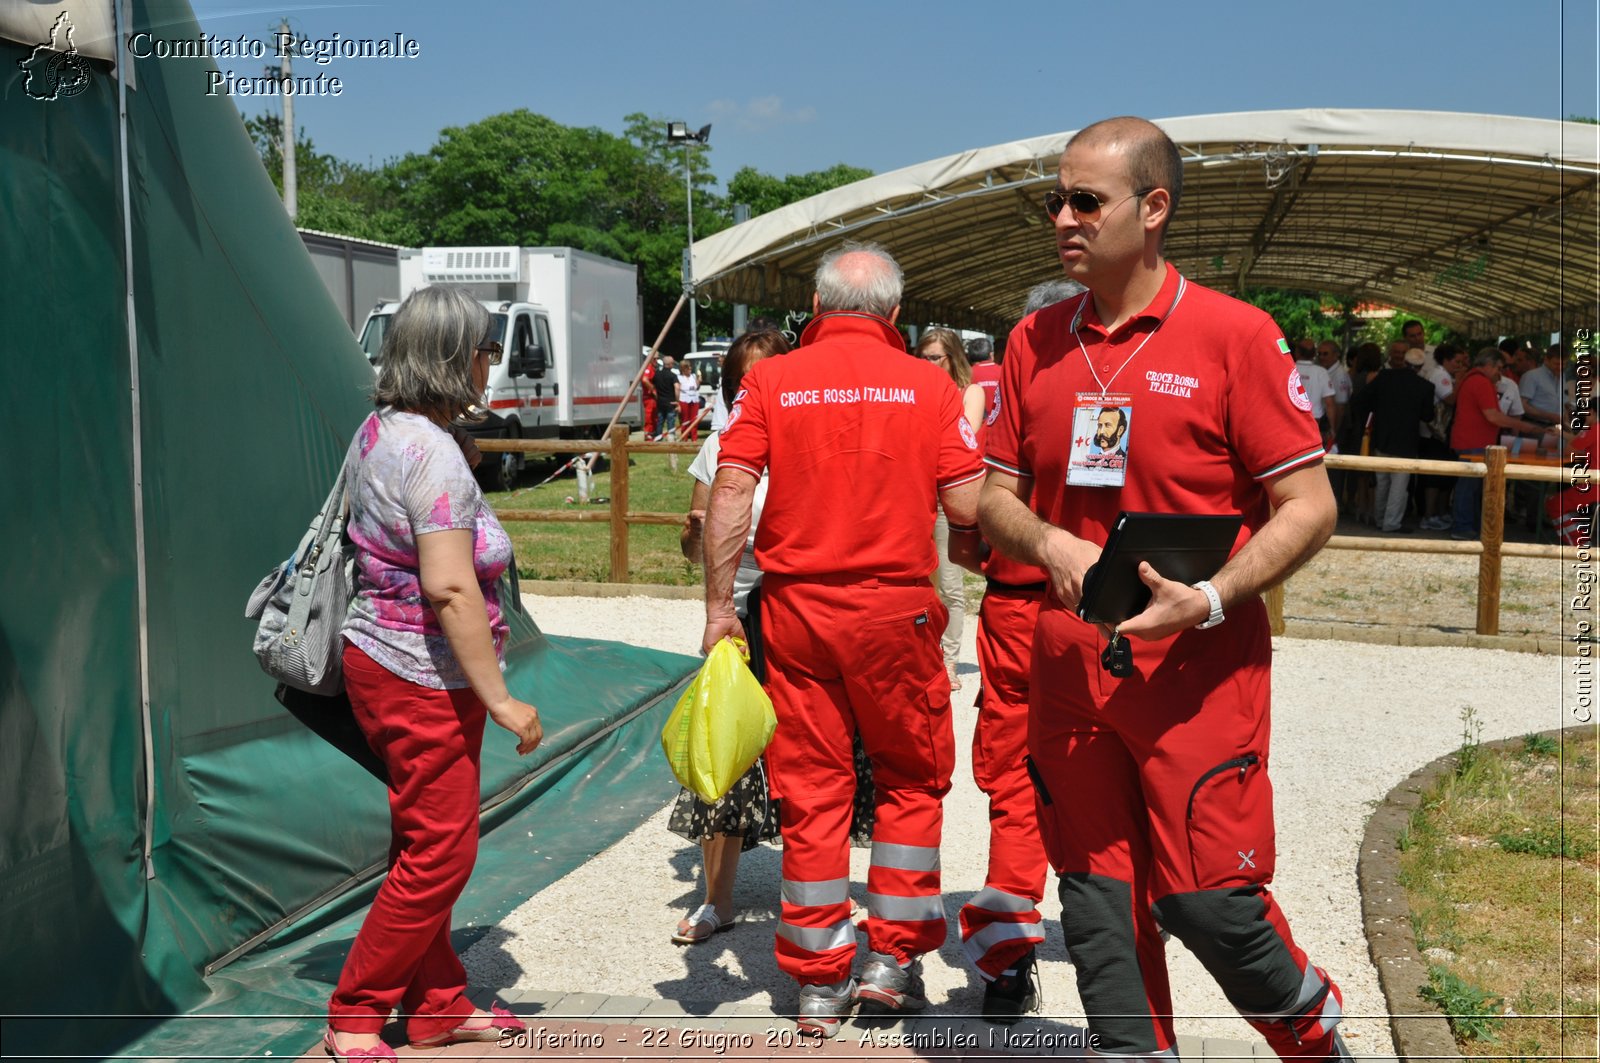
(1229, 823)
(1049, 826)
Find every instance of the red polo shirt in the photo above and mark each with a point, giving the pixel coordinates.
(987, 376)
(1471, 430)
(1217, 408)
(859, 438)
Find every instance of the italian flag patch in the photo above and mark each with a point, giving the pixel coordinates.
(1283, 345)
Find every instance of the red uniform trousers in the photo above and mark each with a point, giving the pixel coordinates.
(689, 419)
(1154, 804)
(1002, 922)
(649, 409)
(848, 654)
(430, 741)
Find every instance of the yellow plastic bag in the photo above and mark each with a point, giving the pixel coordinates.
(720, 726)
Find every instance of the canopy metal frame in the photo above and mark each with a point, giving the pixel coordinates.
(1478, 221)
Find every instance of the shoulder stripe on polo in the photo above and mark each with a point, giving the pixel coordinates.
(1284, 466)
(1003, 467)
(961, 480)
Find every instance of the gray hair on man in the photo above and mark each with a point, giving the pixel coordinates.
(1049, 294)
(859, 276)
(1487, 356)
(425, 364)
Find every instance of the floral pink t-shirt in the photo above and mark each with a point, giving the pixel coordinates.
(407, 478)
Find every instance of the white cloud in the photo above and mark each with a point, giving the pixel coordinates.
(760, 114)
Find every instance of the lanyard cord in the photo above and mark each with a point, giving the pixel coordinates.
(1077, 319)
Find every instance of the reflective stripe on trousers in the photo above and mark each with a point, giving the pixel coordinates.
(884, 681)
(1001, 923)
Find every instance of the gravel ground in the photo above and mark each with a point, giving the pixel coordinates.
(1351, 721)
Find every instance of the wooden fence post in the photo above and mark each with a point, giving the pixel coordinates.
(619, 504)
(1275, 609)
(1493, 537)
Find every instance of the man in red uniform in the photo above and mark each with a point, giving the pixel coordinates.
(985, 370)
(1477, 425)
(861, 441)
(1001, 924)
(1154, 802)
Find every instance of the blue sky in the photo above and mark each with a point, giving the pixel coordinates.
(792, 87)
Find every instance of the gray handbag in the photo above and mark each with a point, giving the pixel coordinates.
(302, 603)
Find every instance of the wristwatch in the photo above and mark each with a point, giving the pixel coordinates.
(1205, 587)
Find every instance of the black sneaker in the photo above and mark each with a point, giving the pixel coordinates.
(1011, 996)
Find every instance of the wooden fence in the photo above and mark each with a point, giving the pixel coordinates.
(1489, 548)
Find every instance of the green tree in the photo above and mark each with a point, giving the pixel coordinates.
(523, 178)
(764, 192)
(332, 195)
(1301, 314)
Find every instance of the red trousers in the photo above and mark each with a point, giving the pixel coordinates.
(430, 741)
(847, 655)
(1154, 804)
(688, 419)
(1002, 922)
(649, 409)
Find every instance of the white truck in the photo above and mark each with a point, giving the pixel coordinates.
(569, 322)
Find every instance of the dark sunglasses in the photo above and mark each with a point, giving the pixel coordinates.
(493, 349)
(1085, 206)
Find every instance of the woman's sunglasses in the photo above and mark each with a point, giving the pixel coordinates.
(1085, 206)
(493, 349)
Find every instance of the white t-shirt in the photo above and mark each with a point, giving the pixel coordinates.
(1510, 397)
(1314, 379)
(688, 387)
(719, 411)
(1440, 378)
(1339, 380)
(704, 469)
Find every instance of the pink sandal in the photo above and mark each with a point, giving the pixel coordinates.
(500, 1022)
(379, 1053)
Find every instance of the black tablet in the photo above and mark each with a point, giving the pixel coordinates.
(1183, 547)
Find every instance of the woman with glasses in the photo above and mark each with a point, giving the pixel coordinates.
(944, 348)
(424, 650)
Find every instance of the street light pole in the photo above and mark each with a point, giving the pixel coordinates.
(688, 250)
(678, 132)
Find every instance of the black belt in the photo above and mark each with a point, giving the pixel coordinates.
(1028, 588)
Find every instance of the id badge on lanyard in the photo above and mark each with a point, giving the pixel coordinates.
(1100, 434)
(1101, 419)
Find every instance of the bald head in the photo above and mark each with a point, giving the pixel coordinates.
(861, 277)
(1151, 158)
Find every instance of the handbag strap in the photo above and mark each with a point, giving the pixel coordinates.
(330, 521)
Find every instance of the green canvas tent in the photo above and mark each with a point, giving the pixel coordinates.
(178, 392)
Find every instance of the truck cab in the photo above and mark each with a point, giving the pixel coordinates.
(522, 397)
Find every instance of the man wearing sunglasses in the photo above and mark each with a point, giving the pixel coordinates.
(1154, 802)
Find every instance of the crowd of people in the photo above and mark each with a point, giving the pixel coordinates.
(1131, 758)
(673, 405)
(1437, 402)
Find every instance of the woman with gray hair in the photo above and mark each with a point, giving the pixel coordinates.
(424, 650)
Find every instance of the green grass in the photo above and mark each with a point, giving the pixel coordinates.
(583, 551)
(1500, 868)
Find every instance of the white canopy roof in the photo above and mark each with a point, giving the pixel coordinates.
(1485, 222)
